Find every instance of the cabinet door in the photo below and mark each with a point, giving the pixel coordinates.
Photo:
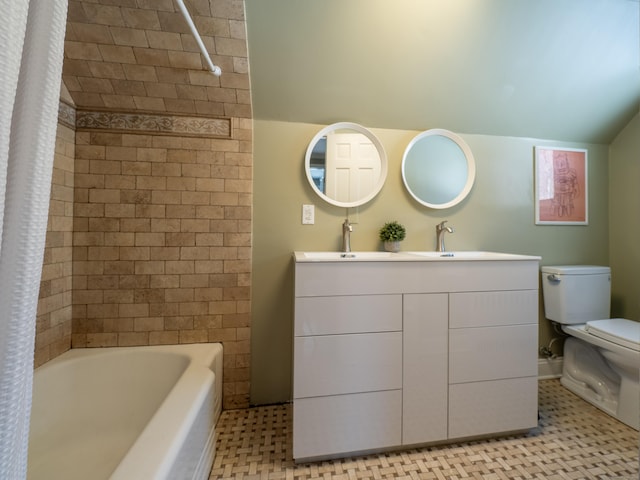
(338, 364)
(346, 423)
(493, 407)
(424, 383)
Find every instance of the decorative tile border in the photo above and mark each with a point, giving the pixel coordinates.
(67, 114)
(154, 123)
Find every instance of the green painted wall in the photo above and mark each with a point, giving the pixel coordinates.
(498, 215)
(624, 222)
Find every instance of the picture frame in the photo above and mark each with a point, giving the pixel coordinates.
(561, 186)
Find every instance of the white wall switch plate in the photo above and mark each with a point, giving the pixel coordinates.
(308, 214)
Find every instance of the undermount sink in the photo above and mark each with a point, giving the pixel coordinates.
(466, 255)
(338, 256)
(415, 256)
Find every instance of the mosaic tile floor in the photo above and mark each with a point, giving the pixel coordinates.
(574, 440)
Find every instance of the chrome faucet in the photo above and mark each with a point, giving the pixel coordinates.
(440, 231)
(347, 228)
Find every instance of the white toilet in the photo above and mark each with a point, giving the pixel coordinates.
(602, 357)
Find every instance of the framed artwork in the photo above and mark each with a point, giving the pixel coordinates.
(561, 196)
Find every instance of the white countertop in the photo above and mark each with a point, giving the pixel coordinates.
(414, 256)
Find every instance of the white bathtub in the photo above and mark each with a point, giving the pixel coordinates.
(126, 413)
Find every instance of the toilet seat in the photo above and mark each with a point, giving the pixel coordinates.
(616, 330)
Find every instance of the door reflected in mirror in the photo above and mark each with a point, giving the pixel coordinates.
(438, 168)
(346, 164)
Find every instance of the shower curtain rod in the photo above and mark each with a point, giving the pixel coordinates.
(216, 70)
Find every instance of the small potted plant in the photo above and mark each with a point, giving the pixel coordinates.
(391, 234)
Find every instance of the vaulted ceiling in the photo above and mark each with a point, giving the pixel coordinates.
(566, 70)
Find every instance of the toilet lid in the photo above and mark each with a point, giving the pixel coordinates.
(617, 330)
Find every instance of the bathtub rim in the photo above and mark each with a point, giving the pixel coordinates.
(202, 374)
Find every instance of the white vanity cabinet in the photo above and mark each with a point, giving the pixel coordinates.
(409, 351)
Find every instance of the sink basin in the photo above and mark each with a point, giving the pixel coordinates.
(341, 256)
(467, 255)
(420, 256)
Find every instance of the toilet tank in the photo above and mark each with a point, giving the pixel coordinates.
(576, 293)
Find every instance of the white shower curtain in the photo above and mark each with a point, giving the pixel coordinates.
(31, 52)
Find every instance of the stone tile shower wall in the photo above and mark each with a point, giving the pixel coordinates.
(162, 243)
(53, 320)
(149, 235)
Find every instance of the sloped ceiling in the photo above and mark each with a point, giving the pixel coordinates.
(566, 70)
(139, 55)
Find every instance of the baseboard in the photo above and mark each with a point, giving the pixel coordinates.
(549, 368)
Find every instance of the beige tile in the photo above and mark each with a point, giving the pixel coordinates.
(184, 60)
(135, 225)
(119, 210)
(173, 22)
(194, 336)
(181, 239)
(172, 75)
(237, 110)
(180, 295)
(82, 50)
(141, 19)
(180, 105)
(130, 339)
(117, 54)
(221, 95)
(93, 100)
(150, 240)
(91, 33)
(232, 47)
(209, 108)
(149, 103)
(101, 339)
(203, 78)
(164, 338)
(164, 40)
(160, 5)
(150, 267)
(128, 87)
(191, 92)
(118, 102)
(150, 56)
(142, 73)
(166, 90)
(194, 308)
(103, 14)
(194, 281)
(230, 9)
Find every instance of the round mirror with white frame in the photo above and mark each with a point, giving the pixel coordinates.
(438, 168)
(346, 164)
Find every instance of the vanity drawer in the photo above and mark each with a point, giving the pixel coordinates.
(339, 364)
(490, 353)
(484, 309)
(346, 423)
(492, 407)
(348, 314)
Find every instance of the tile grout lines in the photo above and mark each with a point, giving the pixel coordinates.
(574, 440)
